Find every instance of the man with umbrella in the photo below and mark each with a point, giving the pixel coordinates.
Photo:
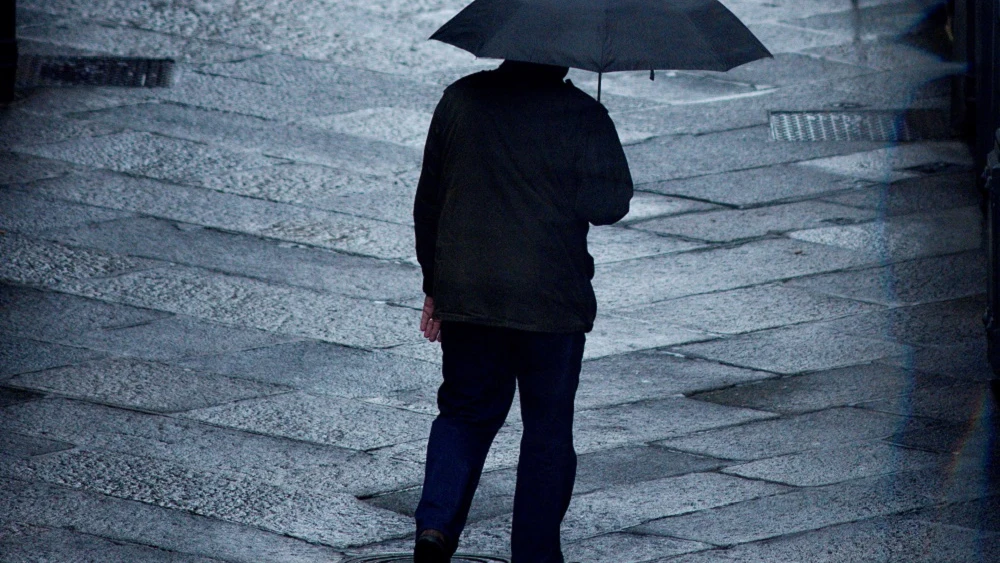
(518, 163)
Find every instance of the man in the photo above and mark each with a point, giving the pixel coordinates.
(518, 163)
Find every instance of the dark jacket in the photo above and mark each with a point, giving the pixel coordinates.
(517, 163)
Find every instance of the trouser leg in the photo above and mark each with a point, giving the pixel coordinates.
(473, 402)
(549, 373)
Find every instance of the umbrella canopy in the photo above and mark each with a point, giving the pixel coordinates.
(605, 35)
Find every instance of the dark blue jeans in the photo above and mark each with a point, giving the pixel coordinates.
(481, 366)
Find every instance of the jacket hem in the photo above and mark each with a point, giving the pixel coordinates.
(507, 323)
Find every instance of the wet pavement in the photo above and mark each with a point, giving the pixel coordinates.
(208, 317)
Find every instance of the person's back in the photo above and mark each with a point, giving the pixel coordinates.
(517, 165)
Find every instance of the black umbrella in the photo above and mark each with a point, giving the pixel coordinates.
(605, 35)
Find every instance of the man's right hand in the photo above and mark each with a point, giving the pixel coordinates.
(430, 326)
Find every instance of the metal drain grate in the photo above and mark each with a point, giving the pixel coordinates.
(900, 126)
(34, 70)
(408, 558)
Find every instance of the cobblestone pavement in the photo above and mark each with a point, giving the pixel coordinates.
(209, 301)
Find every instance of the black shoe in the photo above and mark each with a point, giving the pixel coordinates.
(431, 549)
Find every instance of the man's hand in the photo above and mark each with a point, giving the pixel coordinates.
(430, 326)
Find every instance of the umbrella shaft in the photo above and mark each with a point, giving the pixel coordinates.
(599, 75)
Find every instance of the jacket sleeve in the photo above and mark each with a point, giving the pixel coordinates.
(605, 185)
(429, 199)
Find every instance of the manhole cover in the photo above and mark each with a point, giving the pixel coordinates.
(35, 70)
(868, 125)
(408, 558)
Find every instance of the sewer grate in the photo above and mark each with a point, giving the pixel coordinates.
(870, 125)
(408, 558)
(38, 70)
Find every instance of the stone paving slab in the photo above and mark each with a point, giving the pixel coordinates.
(906, 237)
(641, 376)
(821, 390)
(749, 309)
(609, 244)
(143, 385)
(322, 368)
(35, 543)
(22, 355)
(927, 280)
(26, 214)
(879, 55)
(770, 438)
(377, 197)
(945, 323)
(338, 520)
(922, 87)
(354, 87)
(33, 262)
(10, 396)
(250, 303)
(913, 195)
(628, 548)
(149, 155)
(791, 350)
(16, 167)
(59, 102)
(881, 540)
(16, 445)
(980, 514)
(623, 506)
(731, 225)
(882, 21)
(199, 446)
(646, 205)
(174, 337)
(388, 43)
(401, 126)
(697, 155)
(784, 37)
(61, 318)
(969, 442)
(598, 429)
(42, 504)
(245, 255)
(827, 466)
(957, 403)
(780, 10)
(130, 42)
(792, 68)
(229, 212)
(319, 419)
(615, 334)
(966, 361)
(298, 142)
(886, 165)
(644, 281)
(754, 186)
(21, 128)
(813, 508)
